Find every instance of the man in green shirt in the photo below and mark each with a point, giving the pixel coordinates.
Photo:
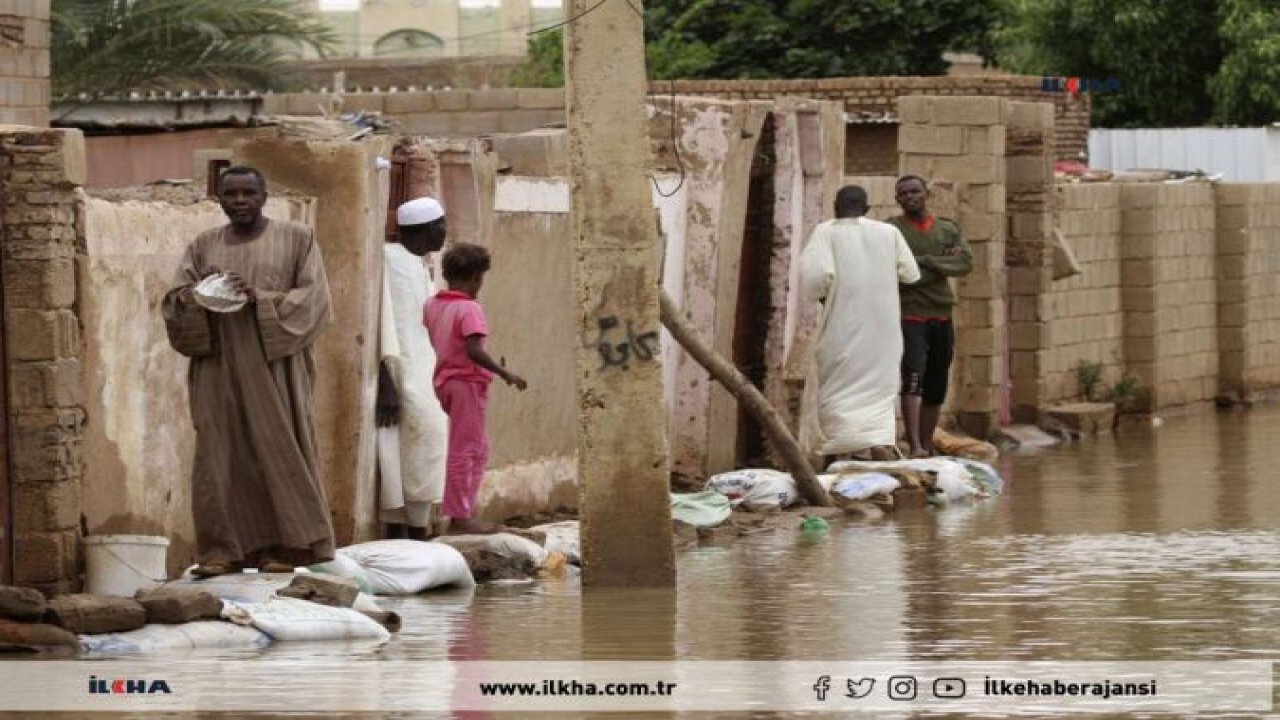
(928, 338)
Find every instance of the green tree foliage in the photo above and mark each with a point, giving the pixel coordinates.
(726, 39)
(545, 66)
(1161, 51)
(1246, 89)
(107, 46)
(1179, 62)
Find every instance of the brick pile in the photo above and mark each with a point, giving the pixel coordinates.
(1169, 296)
(962, 140)
(1248, 243)
(39, 174)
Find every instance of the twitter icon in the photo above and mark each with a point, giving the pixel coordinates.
(861, 688)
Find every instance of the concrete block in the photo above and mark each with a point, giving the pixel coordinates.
(436, 124)
(40, 284)
(453, 100)
(90, 614)
(1028, 170)
(1139, 195)
(1233, 314)
(1137, 273)
(518, 121)
(1233, 267)
(493, 99)
(1027, 336)
(969, 169)
(970, 110)
(275, 104)
(1230, 218)
(47, 506)
(409, 103)
(365, 102)
(980, 342)
(1031, 115)
(1233, 241)
(40, 558)
(480, 123)
(306, 103)
(931, 140)
(989, 140)
(540, 99)
(915, 109)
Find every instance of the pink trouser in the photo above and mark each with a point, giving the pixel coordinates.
(464, 401)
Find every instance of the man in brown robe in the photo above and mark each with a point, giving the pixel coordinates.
(256, 488)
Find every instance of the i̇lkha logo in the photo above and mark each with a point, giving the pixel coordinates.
(127, 686)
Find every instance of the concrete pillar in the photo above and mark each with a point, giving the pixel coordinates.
(622, 449)
(1029, 153)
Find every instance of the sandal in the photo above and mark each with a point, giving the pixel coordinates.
(272, 566)
(213, 569)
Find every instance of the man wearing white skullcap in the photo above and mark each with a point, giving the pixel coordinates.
(413, 430)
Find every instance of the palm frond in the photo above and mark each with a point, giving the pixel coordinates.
(113, 46)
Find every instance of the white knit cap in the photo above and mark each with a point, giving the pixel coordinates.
(419, 211)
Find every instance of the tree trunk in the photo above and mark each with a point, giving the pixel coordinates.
(755, 403)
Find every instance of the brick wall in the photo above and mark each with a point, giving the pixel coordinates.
(461, 112)
(1082, 320)
(1168, 267)
(39, 174)
(24, 62)
(1248, 227)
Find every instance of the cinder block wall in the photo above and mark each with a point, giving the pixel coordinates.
(962, 140)
(24, 62)
(1168, 270)
(1248, 245)
(1082, 320)
(440, 113)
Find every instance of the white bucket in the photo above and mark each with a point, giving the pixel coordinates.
(124, 564)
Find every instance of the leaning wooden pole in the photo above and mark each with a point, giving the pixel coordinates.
(622, 440)
(752, 400)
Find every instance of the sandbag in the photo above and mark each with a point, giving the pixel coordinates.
(289, 620)
(959, 446)
(986, 476)
(239, 587)
(756, 489)
(851, 488)
(564, 538)
(400, 567)
(704, 509)
(201, 634)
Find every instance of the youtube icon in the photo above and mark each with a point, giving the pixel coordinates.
(948, 688)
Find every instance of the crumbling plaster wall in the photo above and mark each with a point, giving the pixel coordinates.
(139, 443)
(351, 200)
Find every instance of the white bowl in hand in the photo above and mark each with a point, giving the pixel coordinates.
(215, 293)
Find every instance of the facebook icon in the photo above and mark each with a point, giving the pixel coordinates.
(822, 687)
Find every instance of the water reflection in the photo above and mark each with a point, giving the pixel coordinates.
(1152, 544)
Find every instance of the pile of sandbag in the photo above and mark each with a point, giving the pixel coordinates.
(892, 484)
(756, 489)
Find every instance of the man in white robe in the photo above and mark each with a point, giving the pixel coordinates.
(413, 429)
(853, 265)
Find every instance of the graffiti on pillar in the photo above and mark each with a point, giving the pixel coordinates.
(619, 345)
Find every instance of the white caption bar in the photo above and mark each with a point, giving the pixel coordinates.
(838, 686)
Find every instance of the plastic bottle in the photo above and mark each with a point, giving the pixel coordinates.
(814, 526)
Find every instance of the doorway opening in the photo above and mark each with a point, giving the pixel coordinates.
(754, 307)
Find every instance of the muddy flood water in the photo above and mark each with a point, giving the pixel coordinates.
(1153, 544)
